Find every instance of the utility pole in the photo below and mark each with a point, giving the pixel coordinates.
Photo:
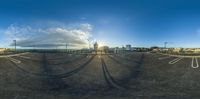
(15, 42)
(165, 44)
(122, 49)
(88, 44)
(66, 47)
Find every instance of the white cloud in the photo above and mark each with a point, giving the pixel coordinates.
(28, 36)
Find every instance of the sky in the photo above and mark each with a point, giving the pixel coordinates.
(78, 23)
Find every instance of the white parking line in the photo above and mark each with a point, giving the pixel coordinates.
(175, 60)
(111, 55)
(161, 58)
(185, 56)
(14, 54)
(25, 57)
(197, 63)
(88, 56)
(14, 60)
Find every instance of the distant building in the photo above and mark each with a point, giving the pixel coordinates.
(2, 50)
(123, 48)
(116, 50)
(192, 50)
(104, 49)
(128, 47)
(96, 47)
(197, 50)
(177, 50)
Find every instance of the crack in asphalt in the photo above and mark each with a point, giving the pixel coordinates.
(47, 70)
(136, 70)
(138, 67)
(50, 82)
(69, 61)
(109, 79)
(127, 59)
(115, 60)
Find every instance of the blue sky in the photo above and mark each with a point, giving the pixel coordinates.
(141, 23)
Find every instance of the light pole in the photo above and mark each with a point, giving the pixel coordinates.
(165, 44)
(89, 45)
(66, 47)
(122, 49)
(15, 42)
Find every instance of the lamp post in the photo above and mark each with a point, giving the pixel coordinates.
(88, 44)
(15, 42)
(165, 44)
(66, 47)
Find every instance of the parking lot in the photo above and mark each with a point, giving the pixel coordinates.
(89, 76)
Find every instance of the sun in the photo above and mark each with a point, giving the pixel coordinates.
(101, 44)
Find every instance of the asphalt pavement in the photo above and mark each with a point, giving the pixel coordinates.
(108, 76)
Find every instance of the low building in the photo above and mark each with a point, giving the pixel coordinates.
(192, 50)
(96, 47)
(116, 50)
(176, 50)
(128, 47)
(104, 49)
(2, 50)
(197, 50)
(155, 50)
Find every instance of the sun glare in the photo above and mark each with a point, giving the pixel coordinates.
(101, 44)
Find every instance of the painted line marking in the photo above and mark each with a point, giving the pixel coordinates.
(111, 55)
(88, 56)
(192, 63)
(184, 56)
(14, 54)
(14, 60)
(25, 57)
(161, 58)
(197, 63)
(175, 60)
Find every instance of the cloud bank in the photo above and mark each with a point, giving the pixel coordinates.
(75, 36)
